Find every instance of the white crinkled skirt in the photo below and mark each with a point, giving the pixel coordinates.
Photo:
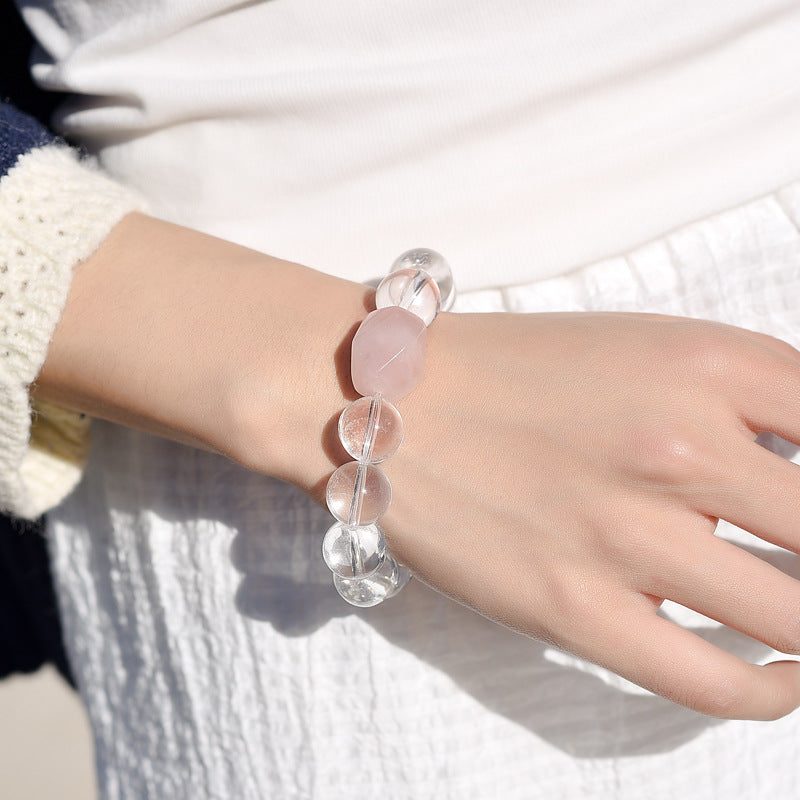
(217, 661)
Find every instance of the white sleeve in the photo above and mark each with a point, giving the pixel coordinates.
(54, 212)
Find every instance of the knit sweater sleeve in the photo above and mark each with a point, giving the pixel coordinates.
(54, 212)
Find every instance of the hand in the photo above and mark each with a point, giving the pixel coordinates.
(563, 473)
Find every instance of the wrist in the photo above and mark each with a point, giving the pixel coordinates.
(283, 410)
(191, 337)
(387, 359)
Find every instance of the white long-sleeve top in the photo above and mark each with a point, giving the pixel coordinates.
(521, 137)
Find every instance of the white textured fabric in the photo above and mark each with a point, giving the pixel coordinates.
(218, 662)
(54, 212)
(521, 137)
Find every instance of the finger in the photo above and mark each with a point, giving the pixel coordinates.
(768, 394)
(778, 346)
(681, 666)
(758, 491)
(734, 587)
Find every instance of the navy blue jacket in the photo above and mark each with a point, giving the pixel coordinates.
(19, 133)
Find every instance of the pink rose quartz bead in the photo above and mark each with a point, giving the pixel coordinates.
(388, 353)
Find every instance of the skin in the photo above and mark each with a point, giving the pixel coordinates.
(561, 474)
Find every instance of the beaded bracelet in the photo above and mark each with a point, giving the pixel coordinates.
(387, 362)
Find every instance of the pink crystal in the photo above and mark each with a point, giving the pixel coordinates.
(388, 354)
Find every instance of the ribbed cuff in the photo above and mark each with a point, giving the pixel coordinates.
(54, 212)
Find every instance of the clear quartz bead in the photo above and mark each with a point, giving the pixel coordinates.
(412, 289)
(401, 579)
(385, 582)
(358, 494)
(353, 552)
(371, 429)
(435, 265)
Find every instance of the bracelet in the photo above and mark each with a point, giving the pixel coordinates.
(387, 362)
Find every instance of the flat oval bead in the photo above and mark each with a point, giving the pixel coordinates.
(388, 353)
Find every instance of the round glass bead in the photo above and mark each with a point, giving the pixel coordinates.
(435, 265)
(412, 289)
(371, 429)
(358, 494)
(353, 552)
(374, 589)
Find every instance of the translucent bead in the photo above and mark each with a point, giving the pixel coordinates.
(412, 289)
(371, 429)
(388, 353)
(435, 265)
(358, 494)
(374, 589)
(353, 552)
(401, 580)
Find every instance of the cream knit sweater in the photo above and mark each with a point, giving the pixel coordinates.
(54, 212)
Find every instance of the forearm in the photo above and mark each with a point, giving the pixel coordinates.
(194, 338)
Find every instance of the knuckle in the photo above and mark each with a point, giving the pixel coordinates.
(710, 356)
(779, 345)
(575, 602)
(776, 713)
(673, 454)
(788, 640)
(723, 697)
